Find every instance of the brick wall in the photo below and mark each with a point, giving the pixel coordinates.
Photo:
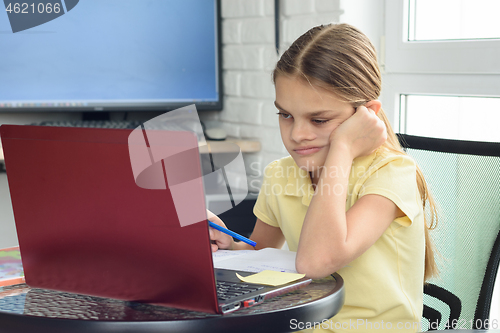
(249, 56)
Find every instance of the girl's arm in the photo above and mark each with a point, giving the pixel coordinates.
(332, 237)
(263, 234)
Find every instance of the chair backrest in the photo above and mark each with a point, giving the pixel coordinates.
(464, 178)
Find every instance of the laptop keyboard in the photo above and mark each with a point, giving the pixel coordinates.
(227, 290)
(127, 124)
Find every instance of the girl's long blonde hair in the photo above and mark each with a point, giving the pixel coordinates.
(341, 59)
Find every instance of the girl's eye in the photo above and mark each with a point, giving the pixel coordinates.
(284, 115)
(320, 121)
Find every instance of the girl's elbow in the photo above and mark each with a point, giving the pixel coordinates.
(315, 269)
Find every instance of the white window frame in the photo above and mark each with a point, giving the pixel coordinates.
(443, 56)
(448, 67)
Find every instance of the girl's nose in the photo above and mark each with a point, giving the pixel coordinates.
(302, 132)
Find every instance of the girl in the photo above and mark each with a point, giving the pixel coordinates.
(347, 199)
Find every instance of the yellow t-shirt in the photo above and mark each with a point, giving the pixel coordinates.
(384, 286)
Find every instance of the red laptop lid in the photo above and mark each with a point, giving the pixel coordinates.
(84, 226)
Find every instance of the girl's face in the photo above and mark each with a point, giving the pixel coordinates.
(307, 116)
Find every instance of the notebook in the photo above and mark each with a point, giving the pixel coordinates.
(11, 268)
(84, 226)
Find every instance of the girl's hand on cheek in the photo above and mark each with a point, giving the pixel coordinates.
(362, 133)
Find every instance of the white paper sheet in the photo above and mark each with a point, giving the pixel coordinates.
(220, 255)
(257, 261)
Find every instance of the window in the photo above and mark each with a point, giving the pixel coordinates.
(439, 52)
(452, 117)
(407, 55)
(453, 19)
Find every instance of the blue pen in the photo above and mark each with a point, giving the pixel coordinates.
(232, 233)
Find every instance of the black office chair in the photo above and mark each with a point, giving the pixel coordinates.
(464, 177)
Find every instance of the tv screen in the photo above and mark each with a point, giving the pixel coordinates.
(113, 55)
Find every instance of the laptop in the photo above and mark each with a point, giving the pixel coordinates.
(85, 226)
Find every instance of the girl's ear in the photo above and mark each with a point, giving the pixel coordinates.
(374, 105)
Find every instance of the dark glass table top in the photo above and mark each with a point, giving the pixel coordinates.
(25, 309)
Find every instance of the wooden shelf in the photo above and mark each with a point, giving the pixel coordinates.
(246, 146)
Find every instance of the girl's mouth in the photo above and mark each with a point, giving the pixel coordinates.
(307, 150)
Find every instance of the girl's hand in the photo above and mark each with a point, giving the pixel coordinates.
(219, 239)
(362, 133)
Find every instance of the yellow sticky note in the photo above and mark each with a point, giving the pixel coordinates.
(271, 278)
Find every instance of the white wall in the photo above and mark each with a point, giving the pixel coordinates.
(366, 15)
(8, 235)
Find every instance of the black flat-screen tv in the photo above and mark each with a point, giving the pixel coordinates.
(113, 55)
